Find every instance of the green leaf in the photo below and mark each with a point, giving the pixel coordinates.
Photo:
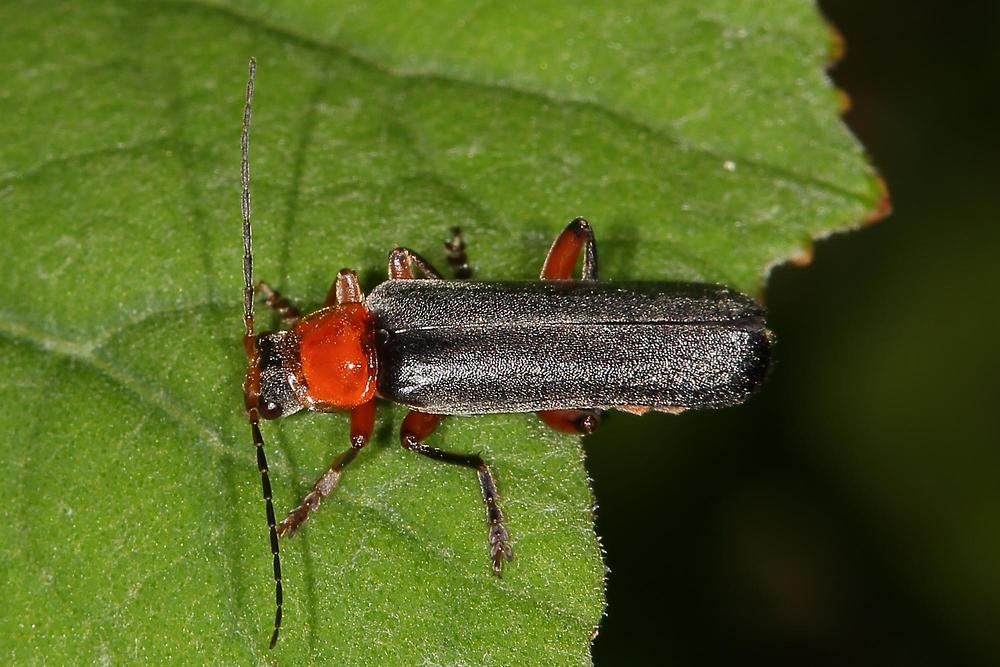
(701, 139)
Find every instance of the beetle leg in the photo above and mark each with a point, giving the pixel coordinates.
(362, 425)
(564, 252)
(457, 258)
(578, 236)
(345, 289)
(278, 303)
(403, 261)
(575, 422)
(416, 427)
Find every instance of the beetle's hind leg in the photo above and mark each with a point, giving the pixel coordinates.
(574, 422)
(576, 238)
(416, 427)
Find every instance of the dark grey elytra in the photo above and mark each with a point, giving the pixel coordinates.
(461, 348)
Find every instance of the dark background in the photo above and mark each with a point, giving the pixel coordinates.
(850, 513)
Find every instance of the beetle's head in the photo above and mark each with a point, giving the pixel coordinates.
(271, 375)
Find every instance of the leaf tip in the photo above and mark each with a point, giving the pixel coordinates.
(883, 203)
(837, 46)
(803, 256)
(843, 100)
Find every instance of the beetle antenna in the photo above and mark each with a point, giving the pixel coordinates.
(265, 481)
(250, 345)
(245, 201)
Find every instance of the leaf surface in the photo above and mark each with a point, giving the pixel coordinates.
(702, 140)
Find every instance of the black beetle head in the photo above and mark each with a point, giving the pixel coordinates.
(278, 366)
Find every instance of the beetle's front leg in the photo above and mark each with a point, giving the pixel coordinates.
(345, 289)
(362, 425)
(278, 303)
(416, 427)
(576, 238)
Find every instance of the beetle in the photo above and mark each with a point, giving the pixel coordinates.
(567, 349)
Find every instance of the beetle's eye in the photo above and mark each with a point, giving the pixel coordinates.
(269, 409)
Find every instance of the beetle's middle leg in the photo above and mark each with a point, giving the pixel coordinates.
(459, 261)
(362, 425)
(403, 262)
(576, 238)
(417, 426)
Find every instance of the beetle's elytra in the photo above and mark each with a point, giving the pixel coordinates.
(566, 349)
